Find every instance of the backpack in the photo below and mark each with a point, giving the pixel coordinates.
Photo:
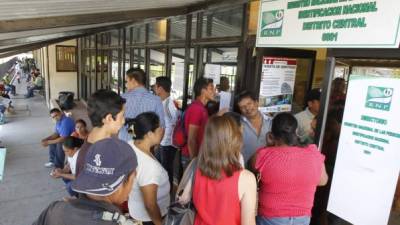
(182, 211)
(179, 135)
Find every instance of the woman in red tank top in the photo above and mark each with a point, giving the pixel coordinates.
(224, 193)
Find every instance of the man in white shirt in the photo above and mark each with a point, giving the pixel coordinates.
(225, 96)
(305, 117)
(166, 152)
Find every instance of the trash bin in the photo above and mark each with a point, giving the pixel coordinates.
(66, 100)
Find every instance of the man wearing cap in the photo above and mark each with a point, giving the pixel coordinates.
(104, 183)
(305, 118)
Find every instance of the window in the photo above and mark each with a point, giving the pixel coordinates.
(138, 58)
(114, 35)
(158, 31)
(223, 23)
(115, 70)
(177, 73)
(139, 34)
(128, 36)
(157, 64)
(178, 28)
(225, 60)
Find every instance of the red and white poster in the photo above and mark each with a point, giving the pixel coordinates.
(277, 84)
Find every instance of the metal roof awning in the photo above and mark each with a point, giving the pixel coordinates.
(31, 24)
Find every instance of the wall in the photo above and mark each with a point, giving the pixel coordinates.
(61, 81)
(55, 81)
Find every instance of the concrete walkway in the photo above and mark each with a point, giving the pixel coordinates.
(27, 187)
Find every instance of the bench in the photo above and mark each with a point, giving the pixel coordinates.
(39, 92)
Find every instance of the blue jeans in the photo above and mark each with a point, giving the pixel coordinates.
(165, 155)
(56, 155)
(10, 88)
(302, 220)
(31, 89)
(68, 187)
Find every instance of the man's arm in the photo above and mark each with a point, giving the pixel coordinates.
(59, 139)
(51, 137)
(192, 140)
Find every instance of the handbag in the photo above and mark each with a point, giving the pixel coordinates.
(182, 211)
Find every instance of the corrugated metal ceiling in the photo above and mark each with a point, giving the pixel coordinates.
(23, 9)
(26, 24)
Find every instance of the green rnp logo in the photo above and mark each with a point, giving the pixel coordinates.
(271, 23)
(379, 98)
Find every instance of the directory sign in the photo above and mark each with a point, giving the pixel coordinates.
(367, 164)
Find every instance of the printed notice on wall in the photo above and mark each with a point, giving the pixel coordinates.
(367, 163)
(2, 161)
(213, 71)
(277, 84)
(329, 23)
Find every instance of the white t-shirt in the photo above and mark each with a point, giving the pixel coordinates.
(304, 120)
(72, 162)
(170, 117)
(149, 171)
(225, 100)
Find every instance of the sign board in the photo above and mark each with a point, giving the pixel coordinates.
(277, 84)
(329, 23)
(2, 161)
(367, 163)
(213, 71)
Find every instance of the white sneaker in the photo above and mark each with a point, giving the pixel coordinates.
(49, 165)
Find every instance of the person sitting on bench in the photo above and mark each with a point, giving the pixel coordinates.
(37, 85)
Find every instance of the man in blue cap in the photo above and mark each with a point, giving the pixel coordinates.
(105, 183)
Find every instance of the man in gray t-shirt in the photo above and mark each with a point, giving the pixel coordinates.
(256, 125)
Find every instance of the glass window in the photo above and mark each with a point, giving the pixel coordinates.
(114, 37)
(157, 64)
(139, 34)
(128, 35)
(105, 40)
(226, 59)
(98, 69)
(177, 73)
(223, 23)
(105, 75)
(194, 27)
(114, 70)
(158, 31)
(138, 58)
(178, 28)
(127, 66)
(93, 41)
(86, 42)
(93, 70)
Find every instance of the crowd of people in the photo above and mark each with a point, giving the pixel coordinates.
(8, 86)
(136, 172)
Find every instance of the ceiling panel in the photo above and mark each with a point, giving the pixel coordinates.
(23, 9)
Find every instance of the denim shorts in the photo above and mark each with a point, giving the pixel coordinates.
(301, 220)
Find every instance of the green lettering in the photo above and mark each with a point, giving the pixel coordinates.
(360, 8)
(349, 23)
(298, 4)
(373, 119)
(323, 2)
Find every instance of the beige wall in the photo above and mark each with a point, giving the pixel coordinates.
(61, 81)
(55, 81)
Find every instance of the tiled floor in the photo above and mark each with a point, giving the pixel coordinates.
(27, 187)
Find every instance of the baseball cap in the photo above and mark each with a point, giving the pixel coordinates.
(314, 94)
(107, 164)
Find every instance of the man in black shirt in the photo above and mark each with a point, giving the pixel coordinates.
(104, 183)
